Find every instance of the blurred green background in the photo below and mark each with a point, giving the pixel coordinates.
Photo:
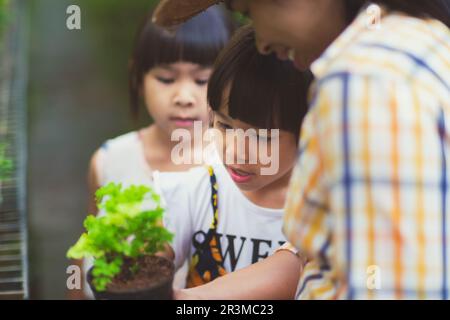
(77, 100)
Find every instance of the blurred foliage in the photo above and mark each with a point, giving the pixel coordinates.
(3, 15)
(112, 25)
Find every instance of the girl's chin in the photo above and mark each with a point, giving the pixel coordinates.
(246, 188)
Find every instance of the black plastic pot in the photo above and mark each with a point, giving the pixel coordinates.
(159, 291)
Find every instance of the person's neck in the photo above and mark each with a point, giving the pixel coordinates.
(159, 140)
(272, 196)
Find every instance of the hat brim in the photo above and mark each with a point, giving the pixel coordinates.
(170, 13)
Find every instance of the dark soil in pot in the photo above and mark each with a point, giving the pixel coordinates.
(152, 281)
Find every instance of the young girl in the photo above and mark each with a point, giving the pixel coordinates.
(169, 73)
(229, 215)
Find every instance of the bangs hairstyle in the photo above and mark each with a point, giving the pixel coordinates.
(265, 92)
(197, 41)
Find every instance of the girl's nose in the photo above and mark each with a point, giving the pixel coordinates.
(184, 98)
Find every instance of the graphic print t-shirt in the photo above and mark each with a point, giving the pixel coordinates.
(247, 233)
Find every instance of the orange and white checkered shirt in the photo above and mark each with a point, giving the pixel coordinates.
(369, 200)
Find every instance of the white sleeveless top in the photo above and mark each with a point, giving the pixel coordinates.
(122, 160)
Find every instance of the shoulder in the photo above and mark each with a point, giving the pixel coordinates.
(400, 55)
(193, 183)
(122, 142)
(119, 159)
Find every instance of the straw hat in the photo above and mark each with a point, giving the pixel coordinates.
(170, 13)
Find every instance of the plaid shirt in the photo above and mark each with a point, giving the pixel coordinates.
(369, 197)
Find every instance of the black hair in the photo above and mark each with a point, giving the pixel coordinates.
(264, 91)
(436, 9)
(197, 41)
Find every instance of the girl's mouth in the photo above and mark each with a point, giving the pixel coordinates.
(183, 122)
(239, 176)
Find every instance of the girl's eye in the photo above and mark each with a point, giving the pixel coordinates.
(201, 82)
(165, 80)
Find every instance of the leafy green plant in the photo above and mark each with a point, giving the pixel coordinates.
(129, 227)
(6, 164)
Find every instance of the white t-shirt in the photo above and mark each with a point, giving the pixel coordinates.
(248, 233)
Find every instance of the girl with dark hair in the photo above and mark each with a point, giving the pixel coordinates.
(369, 196)
(168, 76)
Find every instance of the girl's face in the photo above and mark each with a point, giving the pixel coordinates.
(248, 176)
(175, 95)
(296, 29)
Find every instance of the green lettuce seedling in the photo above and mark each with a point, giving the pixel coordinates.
(128, 227)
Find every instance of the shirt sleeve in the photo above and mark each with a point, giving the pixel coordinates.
(369, 168)
(306, 212)
(315, 283)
